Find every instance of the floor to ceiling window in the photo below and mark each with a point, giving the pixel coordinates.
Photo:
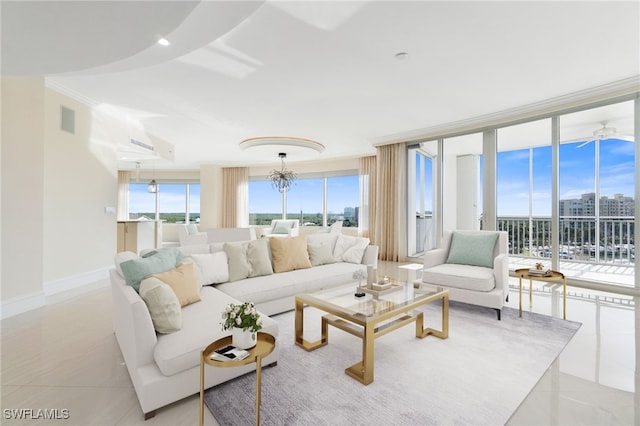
(420, 220)
(597, 206)
(313, 200)
(523, 187)
(173, 203)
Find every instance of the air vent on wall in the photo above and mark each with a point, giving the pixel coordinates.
(67, 119)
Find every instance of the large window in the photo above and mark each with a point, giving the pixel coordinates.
(173, 203)
(421, 186)
(315, 201)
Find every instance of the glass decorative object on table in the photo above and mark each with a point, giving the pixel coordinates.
(359, 275)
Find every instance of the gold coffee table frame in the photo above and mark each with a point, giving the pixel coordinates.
(266, 344)
(366, 327)
(555, 277)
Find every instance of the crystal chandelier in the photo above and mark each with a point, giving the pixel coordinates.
(283, 178)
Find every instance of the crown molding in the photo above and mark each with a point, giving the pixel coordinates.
(561, 104)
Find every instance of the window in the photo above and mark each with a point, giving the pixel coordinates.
(421, 185)
(176, 202)
(315, 201)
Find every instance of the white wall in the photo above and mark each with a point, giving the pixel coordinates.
(210, 196)
(55, 234)
(22, 192)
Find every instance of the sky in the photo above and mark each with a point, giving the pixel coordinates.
(577, 177)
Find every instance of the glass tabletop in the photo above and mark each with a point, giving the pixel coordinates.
(342, 300)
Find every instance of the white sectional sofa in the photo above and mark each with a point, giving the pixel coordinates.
(165, 367)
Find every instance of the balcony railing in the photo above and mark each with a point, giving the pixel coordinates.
(608, 258)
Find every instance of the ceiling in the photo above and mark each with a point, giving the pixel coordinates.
(325, 71)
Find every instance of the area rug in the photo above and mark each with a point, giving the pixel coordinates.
(478, 376)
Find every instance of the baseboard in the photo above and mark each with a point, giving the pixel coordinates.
(73, 282)
(21, 304)
(56, 291)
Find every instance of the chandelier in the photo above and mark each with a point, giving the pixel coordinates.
(283, 178)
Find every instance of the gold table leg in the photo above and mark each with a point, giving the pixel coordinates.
(564, 298)
(299, 336)
(530, 293)
(258, 388)
(422, 332)
(363, 371)
(202, 388)
(520, 298)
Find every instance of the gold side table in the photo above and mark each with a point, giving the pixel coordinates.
(266, 344)
(555, 277)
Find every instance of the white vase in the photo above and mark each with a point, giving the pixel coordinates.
(243, 339)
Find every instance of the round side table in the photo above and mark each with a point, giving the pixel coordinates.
(555, 276)
(266, 344)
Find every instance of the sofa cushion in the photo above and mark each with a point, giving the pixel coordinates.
(182, 281)
(289, 254)
(121, 257)
(474, 249)
(466, 277)
(213, 266)
(196, 269)
(320, 254)
(259, 258)
(248, 259)
(350, 249)
(323, 238)
(163, 304)
(135, 270)
(288, 284)
(180, 351)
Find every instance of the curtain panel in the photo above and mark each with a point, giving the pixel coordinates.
(368, 187)
(235, 196)
(391, 202)
(124, 179)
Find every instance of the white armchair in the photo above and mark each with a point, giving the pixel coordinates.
(282, 228)
(189, 235)
(472, 265)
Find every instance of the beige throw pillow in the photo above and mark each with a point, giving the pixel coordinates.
(289, 254)
(182, 281)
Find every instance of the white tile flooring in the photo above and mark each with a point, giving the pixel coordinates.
(65, 357)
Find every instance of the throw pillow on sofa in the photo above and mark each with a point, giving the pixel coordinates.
(320, 254)
(350, 249)
(182, 281)
(289, 254)
(213, 266)
(135, 270)
(163, 304)
(248, 259)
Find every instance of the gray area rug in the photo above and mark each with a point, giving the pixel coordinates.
(479, 375)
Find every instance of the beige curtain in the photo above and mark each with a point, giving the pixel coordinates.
(367, 219)
(124, 178)
(391, 201)
(235, 197)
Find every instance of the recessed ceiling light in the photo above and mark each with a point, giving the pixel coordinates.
(163, 42)
(401, 56)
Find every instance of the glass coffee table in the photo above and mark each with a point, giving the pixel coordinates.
(369, 317)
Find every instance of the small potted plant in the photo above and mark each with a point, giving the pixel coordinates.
(244, 322)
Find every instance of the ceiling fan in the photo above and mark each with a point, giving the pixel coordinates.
(604, 133)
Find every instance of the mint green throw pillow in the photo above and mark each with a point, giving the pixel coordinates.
(258, 258)
(239, 267)
(472, 249)
(135, 270)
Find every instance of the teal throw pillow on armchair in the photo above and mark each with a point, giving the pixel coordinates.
(472, 249)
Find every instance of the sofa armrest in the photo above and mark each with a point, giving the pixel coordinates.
(132, 324)
(370, 257)
(501, 272)
(434, 257)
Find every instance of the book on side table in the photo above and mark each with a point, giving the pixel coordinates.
(535, 272)
(229, 353)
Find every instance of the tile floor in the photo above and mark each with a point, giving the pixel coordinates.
(65, 357)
